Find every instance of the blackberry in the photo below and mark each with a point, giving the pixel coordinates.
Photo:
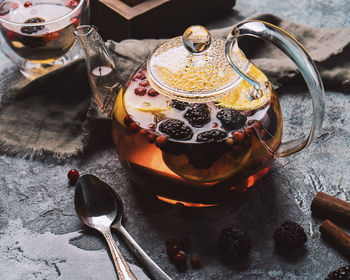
(214, 135)
(176, 129)
(198, 114)
(289, 237)
(204, 155)
(234, 244)
(342, 273)
(231, 119)
(33, 29)
(179, 105)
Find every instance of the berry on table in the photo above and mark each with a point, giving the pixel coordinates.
(289, 237)
(172, 250)
(73, 176)
(195, 262)
(180, 260)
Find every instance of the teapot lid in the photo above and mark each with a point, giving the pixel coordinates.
(194, 67)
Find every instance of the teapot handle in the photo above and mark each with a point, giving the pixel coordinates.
(295, 51)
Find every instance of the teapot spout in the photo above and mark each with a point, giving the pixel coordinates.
(100, 67)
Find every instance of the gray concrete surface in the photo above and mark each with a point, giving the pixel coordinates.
(42, 238)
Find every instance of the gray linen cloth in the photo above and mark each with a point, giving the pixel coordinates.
(55, 115)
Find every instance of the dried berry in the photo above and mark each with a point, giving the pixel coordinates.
(27, 4)
(342, 273)
(33, 29)
(179, 105)
(138, 76)
(152, 92)
(195, 262)
(231, 119)
(237, 136)
(134, 127)
(234, 244)
(180, 261)
(198, 114)
(151, 138)
(161, 141)
(176, 129)
(289, 237)
(141, 91)
(214, 135)
(73, 176)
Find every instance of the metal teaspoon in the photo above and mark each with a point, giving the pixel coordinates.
(97, 208)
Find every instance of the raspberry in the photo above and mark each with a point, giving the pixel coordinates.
(231, 119)
(342, 273)
(33, 29)
(234, 244)
(179, 105)
(289, 237)
(213, 135)
(198, 114)
(176, 129)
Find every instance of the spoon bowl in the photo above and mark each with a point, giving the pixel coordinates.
(97, 208)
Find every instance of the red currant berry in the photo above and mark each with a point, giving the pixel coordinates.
(143, 132)
(27, 4)
(75, 21)
(73, 176)
(171, 241)
(180, 261)
(11, 35)
(152, 92)
(134, 127)
(161, 141)
(172, 251)
(144, 83)
(151, 138)
(141, 91)
(237, 136)
(195, 262)
(128, 120)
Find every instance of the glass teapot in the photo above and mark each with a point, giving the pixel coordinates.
(197, 119)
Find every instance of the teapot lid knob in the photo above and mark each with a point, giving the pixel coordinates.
(196, 39)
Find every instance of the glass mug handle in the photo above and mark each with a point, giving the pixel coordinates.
(294, 50)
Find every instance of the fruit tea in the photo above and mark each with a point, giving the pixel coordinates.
(194, 153)
(39, 42)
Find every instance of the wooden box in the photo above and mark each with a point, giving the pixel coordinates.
(153, 18)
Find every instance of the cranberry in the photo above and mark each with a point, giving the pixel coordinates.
(195, 262)
(237, 136)
(180, 261)
(73, 176)
(172, 251)
(128, 120)
(161, 141)
(134, 127)
(27, 4)
(141, 91)
(75, 21)
(144, 83)
(11, 35)
(152, 92)
(151, 138)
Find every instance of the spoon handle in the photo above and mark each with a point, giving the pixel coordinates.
(154, 270)
(122, 267)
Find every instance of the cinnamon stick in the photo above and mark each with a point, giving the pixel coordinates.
(331, 207)
(336, 236)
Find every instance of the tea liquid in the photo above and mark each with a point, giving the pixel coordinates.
(193, 153)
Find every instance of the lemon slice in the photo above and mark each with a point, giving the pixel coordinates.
(238, 99)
